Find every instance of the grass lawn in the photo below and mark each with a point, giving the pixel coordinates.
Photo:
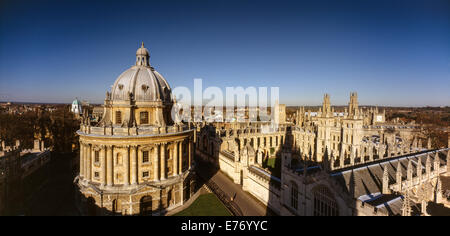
(274, 165)
(205, 205)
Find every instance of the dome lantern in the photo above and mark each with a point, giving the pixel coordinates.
(142, 56)
(141, 81)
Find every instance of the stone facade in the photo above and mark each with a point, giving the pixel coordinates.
(10, 178)
(371, 189)
(136, 160)
(356, 135)
(16, 164)
(332, 163)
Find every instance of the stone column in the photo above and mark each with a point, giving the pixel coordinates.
(133, 153)
(103, 165)
(81, 159)
(182, 192)
(370, 153)
(190, 154)
(156, 163)
(85, 160)
(175, 159)
(140, 154)
(163, 161)
(109, 166)
(180, 158)
(127, 166)
(89, 163)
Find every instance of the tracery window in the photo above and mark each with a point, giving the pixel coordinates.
(294, 195)
(324, 202)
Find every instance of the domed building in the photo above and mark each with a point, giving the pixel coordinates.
(76, 107)
(136, 160)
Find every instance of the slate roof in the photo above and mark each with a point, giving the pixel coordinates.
(368, 179)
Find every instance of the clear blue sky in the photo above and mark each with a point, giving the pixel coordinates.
(391, 52)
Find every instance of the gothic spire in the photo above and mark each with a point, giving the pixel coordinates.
(428, 166)
(438, 191)
(409, 171)
(398, 176)
(406, 206)
(419, 168)
(385, 186)
(436, 164)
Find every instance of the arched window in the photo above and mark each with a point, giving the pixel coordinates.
(169, 198)
(294, 195)
(115, 206)
(144, 117)
(324, 203)
(118, 117)
(146, 206)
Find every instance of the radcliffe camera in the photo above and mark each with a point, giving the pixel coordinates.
(224, 108)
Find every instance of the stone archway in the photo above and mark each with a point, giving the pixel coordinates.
(116, 207)
(146, 206)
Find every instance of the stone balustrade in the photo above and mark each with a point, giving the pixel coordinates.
(130, 131)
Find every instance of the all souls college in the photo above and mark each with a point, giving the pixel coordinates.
(137, 161)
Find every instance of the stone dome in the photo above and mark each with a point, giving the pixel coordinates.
(141, 83)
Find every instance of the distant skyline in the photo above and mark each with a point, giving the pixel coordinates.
(393, 53)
